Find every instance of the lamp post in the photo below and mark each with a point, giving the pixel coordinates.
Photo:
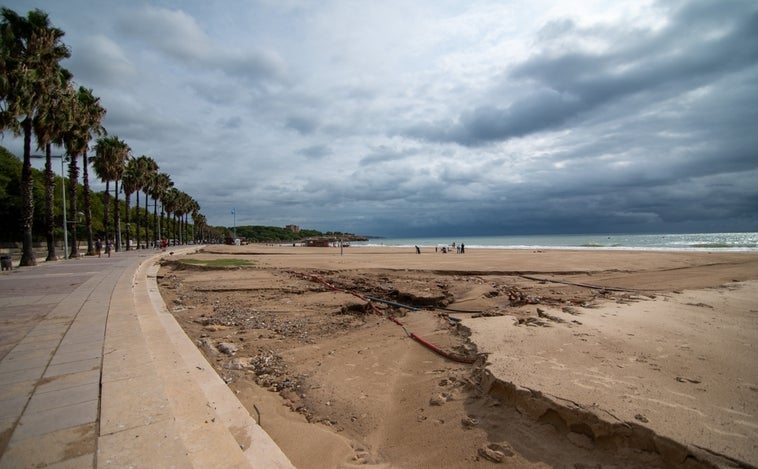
(118, 207)
(234, 212)
(160, 236)
(63, 159)
(65, 222)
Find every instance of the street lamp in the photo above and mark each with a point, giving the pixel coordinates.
(158, 221)
(63, 159)
(234, 212)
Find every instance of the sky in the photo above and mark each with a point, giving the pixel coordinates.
(434, 117)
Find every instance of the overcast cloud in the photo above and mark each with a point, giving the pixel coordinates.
(403, 118)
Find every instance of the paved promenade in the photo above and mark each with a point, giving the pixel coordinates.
(95, 372)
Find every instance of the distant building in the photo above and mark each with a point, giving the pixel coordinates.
(318, 242)
(292, 228)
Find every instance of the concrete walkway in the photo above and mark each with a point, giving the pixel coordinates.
(95, 372)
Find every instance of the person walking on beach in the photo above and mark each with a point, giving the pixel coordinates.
(98, 247)
(418, 250)
(463, 248)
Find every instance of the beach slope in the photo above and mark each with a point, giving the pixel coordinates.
(643, 359)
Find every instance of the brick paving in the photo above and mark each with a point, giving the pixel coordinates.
(95, 372)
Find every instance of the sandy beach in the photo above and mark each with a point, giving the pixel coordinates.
(550, 358)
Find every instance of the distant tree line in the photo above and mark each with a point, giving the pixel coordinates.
(270, 234)
(275, 234)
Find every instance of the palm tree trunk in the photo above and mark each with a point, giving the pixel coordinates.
(73, 180)
(147, 221)
(137, 218)
(155, 220)
(117, 217)
(49, 203)
(27, 185)
(88, 207)
(106, 208)
(163, 226)
(127, 203)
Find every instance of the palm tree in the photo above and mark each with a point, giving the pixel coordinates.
(86, 117)
(130, 185)
(144, 166)
(200, 224)
(169, 204)
(147, 170)
(160, 183)
(109, 163)
(48, 125)
(30, 50)
(101, 163)
(194, 210)
(184, 205)
(93, 115)
(137, 170)
(120, 167)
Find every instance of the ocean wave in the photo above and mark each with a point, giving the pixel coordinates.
(722, 242)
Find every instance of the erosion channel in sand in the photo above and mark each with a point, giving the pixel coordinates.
(581, 358)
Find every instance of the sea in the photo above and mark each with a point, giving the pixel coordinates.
(721, 242)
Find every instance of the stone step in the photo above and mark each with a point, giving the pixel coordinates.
(162, 403)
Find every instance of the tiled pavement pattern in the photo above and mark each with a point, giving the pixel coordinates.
(94, 372)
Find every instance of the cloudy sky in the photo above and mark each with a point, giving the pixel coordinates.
(416, 117)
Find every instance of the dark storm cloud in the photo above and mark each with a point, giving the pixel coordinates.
(656, 126)
(316, 151)
(252, 66)
(231, 123)
(303, 125)
(383, 154)
(696, 48)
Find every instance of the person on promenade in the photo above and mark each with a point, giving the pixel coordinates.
(108, 246)
(98, 247)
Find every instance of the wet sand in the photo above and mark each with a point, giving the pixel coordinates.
(620, 358)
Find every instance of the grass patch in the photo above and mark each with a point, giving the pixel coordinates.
(217, 262)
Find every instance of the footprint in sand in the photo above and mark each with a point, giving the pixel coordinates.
(687, 380)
